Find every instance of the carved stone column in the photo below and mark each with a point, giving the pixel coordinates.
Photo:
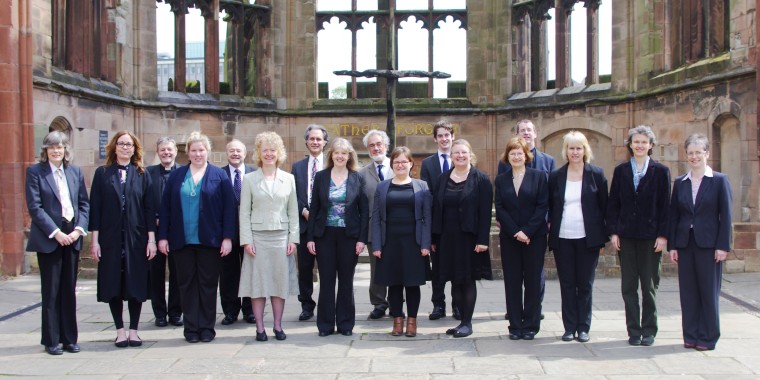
(538, 57)
(210, 12)
(562, 58)
(592, 41)
(179, 8)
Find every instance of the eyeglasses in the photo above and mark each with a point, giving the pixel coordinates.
(696, 153)
(126, 145)
(402, 163)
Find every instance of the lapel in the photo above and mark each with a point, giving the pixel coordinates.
(373, 171)
(469, 185)
(71, 180)
(704, 189)
(562, 182)
(351, 186)
(50, 178)
(437, 165)
(647, 177)
(112, 175)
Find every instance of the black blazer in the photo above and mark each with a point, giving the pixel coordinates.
(541, 161)
(300, 172)
(217, 209)
(431, 171)
(710, 216)
(248, 169)
(357, 206)
(643, 213)
(474, 205)
(423, 204)
(593, 203)
(44, 205)
(525, 211)
(155, 173)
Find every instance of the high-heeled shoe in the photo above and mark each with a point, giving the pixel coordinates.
(398, 326)
(411, 327)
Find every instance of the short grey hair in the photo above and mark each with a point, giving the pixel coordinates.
(165, 140)
(310, 127)
(641, 130)
(699, 139)
(56, 138)
(382, 134)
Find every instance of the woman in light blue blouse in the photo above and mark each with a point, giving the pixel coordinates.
(337, 233)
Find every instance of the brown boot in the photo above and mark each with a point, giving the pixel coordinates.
(398, 326)
(411, 327)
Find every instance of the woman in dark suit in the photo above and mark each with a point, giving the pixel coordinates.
(401, 239)
(337, 234)
(199, 242)
(56, 197)
(637, 219)
(461, 230)
(699, 241)
(123, 224)
(577, 203)
(522, 200)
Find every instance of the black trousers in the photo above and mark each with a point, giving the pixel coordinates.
(523, 266)
(158, 287)
(229, 284)
(640, 264)
(438, 297)
(336, 257)
(699, 280)
(197, 275)
(576, 266)
(305, 276)
(58, 278)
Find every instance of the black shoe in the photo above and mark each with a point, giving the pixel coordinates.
(176, 321)
(161, 322)
(306, 315)
(192, 338)
(326, 333)
(279, 335)
(542, 316)
(228, 320)
(568, 336)
(634, 341)
(377, 313)
(54, 350)
(463, 332)
(72, 348)
(207, 336)
(262, 336)
(438, 313)
(506, 316)
(583, 337)
(647, 340)
(345, 332)
(249, 318)
(122, 344)
(452, 330)
(455, 313)
(529, 335)
(515, 336)
(134, 343)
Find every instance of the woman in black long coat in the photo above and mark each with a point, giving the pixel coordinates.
(122, 222)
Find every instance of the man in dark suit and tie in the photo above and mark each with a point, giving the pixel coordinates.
(229, 277)
(378, 170)
(56, 198)
(166, 149)
(304, 171)
(432, 167)
(541, 161)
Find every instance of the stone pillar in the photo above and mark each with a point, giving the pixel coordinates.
(211, 47)
(263, 49)
(520, 52)
(489, 54)
(592, 41)
(562, 39)
(16, 122)
(180, 65)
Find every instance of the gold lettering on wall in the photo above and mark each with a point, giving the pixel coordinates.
(402, 129)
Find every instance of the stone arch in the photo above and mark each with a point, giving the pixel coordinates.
(726, 154)
(62, 124)
(598, 133)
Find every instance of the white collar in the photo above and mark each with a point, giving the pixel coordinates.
(232, 168)
(318, 158)
(53, 168)
(447, 154)
(708, 173)
(386, 162)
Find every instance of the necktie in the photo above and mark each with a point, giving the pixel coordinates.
(313, 173)
(63, 192)
(238, 185)
(445, 166)
(380, 172)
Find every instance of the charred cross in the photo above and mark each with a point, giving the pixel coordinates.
(392, 77)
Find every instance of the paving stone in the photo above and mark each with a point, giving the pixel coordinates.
(507, 365)
(409, 364)
(103, 366)
(695, 365)
(580, 366)
(436, 348)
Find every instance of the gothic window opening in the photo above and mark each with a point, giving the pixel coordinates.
(698, 29)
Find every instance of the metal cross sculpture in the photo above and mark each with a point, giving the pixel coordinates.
(392, 75)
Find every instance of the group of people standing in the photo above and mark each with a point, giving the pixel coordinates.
(256, 232)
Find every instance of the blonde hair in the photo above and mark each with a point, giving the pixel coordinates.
(342, 144)
(473, 157)
(198, 137)
(274, 140)
(575, 137)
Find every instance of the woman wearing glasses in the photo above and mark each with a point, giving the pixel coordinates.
(122, 223)
(401, 230)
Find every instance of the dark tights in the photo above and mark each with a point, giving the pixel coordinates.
(396, 300)
(117, 307)
(464, 295)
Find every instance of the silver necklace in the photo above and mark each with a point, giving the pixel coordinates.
(193, 186)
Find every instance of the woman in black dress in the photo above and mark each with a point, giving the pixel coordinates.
(401, 230)
(522, 200)
(123, 224)
(461, 229)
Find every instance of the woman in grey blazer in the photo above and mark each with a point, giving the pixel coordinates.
(269, 233)
(401, 239)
